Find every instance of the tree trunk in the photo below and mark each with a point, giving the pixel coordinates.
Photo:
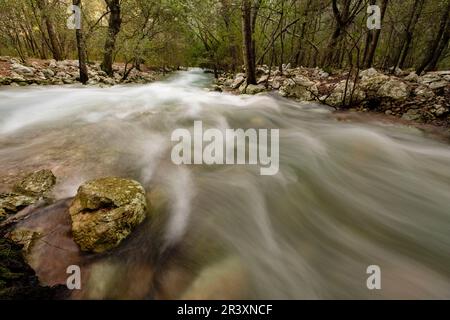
(81, 51)
(54, 43)
(341, 21)
(227, 16)
(280, 66)
(375, 36)
(299, 57)
(438, 45)
(404, 49)
(248, 51)
(114, 24)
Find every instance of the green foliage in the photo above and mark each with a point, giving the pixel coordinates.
(208, 32)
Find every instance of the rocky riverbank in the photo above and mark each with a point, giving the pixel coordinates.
(104, 212)
(50, 72)
(405, 95)
(17, 279)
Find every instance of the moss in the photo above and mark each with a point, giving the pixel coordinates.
(13, 202)
(36, 184)
(18, 280)
(105, 211)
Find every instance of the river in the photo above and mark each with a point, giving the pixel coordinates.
(348, 195)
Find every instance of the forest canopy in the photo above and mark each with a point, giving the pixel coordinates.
(227, 34)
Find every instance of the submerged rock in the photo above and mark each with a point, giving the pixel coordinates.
(24, 237)
(18, 281)
(36, 184)
(411, 115)
(105, 211)
(225, 280)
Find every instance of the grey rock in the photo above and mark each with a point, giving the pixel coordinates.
(105, 211)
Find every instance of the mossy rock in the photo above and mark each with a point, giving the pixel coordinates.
(36, 184)
(105, 211)
(26, 238)
(13, 202)
(18, 281)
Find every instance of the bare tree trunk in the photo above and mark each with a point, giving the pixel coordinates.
(114, 24)
(375, 36)
(439, 44)
(404, 49)
(52, 35)
(84, 77)
(344, 17)
(280, 67)
(299, 57)
(248, 50)
(227, 15)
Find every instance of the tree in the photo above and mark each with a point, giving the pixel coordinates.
(439, 44)
(114, 24)
(84, 77)
(344, 17)
(373, 37)
(52, 35)
(248, 44)
(408, 36)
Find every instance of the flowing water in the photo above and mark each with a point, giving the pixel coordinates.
(347, 195)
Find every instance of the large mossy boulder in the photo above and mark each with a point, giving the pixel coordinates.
(36, 184)
(105, 211)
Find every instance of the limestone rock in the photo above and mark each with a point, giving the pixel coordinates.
(105, 211)
(337, 96)
(412, 77)
(36, 184)
(48, 73)
(238, 80)
(13, 202)
(371, 84)
(394, 89)
(438, 85)
(424, 92)
(22, 70)
(24, 237)
(429, 78)
(368, 73)
(251, 88)
(300, 88)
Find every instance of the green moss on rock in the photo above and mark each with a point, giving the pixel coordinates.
(36, 184)
(13, 202)
(105, 211)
